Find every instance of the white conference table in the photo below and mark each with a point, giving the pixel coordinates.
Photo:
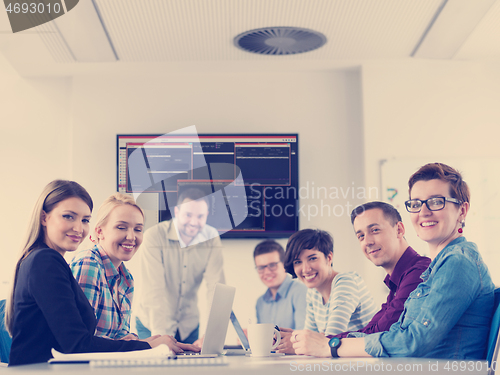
(274, 366)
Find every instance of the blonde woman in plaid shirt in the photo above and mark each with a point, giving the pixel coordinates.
(101, 273)
(47, 308)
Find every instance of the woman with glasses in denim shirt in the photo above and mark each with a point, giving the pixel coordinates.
(448, 315)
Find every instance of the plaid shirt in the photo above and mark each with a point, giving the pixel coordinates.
(108, 290)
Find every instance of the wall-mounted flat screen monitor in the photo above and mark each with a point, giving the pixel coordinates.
(251, 180)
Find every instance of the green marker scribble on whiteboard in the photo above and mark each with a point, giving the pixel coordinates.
(391, 193)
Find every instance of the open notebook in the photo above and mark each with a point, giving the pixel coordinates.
(161, 351)
(159, 356)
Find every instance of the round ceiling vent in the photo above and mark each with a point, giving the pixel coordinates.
(279, 40)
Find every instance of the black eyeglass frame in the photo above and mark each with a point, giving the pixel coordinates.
(451, 200)
(272, 267)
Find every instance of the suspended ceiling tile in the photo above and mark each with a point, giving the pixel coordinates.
(203, 30)
(484, 41)
(54, 42)
(452, 26)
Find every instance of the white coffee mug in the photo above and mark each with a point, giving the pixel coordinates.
(260, 337)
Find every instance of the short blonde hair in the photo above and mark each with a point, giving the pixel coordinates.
(113, 201)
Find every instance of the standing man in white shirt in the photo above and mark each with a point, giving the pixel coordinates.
(176, 255)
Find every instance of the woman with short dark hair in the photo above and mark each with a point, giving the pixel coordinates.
(336, 301)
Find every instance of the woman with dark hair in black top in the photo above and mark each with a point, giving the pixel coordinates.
(47, 308)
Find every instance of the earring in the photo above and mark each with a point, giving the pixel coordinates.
(460, 230)
(94, 240)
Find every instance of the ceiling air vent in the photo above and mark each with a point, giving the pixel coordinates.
(279, 40)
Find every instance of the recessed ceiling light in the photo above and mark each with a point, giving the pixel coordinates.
(280, 40)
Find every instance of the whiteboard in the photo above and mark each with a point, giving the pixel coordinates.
(483, 219)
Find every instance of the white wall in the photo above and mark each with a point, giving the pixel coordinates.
(436, 111)
(347, 121)
(34, 149)
(323, 107)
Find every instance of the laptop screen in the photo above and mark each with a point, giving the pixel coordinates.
(239, 331)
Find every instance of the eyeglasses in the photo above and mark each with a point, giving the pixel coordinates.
(271, 266)
(433, 204)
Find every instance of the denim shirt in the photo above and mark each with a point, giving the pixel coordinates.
(448, 315)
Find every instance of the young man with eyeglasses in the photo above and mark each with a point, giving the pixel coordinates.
(284, 302)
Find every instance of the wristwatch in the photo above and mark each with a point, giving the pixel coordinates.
(334, 343)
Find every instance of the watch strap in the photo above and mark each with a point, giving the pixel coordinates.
(334, 344)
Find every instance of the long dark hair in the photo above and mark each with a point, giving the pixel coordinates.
(55, 192)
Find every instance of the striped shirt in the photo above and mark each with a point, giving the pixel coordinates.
(349, 308)
(109, 291)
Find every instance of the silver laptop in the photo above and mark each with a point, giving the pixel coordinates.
(218, 321)
(242, 349)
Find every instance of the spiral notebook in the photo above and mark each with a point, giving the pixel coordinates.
(217, 361)
(159, 356)
(160, 352)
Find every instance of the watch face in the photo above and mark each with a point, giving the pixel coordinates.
(334, 342)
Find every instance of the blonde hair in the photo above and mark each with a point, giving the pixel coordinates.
(54, 193)
(113, 201)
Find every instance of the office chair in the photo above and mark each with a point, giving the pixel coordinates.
(494, 338)
(5, 339)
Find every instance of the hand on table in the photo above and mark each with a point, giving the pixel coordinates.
(285, 345)
(199, 342)
(149, 339)
(172, 343)
(129, 337)
(310, 343)
(191, 347)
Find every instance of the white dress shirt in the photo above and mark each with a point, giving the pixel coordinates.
(171, 276)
